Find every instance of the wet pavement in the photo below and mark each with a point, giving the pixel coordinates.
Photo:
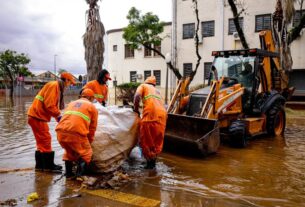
(269, 172)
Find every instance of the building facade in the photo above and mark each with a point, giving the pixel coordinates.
(134, 65)
(217, 32)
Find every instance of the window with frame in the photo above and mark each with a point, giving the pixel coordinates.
(232, 27)
(187, 69)
(157, 74)
(129, 52)
(147, 73)
(115, 48)
(206, 70)
(297, 18)
(133, 76)
(147, 52)
(188, 31)
(262, 22)
(208, 28)
(157, 47)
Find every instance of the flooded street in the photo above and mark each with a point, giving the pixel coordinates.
(269, 172)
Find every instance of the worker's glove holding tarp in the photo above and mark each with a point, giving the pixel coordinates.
(136, 111)
(58, 118)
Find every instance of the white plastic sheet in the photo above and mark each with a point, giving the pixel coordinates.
(115, 136)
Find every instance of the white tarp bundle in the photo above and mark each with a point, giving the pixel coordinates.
(115, 136)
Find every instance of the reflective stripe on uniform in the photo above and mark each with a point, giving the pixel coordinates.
(77, 113)
(40, 98)
(151, 96)
(98, 96)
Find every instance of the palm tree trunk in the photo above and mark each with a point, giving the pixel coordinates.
(93, 41)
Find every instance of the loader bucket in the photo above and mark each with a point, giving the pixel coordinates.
(191, 135)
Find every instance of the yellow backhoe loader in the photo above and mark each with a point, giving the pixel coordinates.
(247, 100)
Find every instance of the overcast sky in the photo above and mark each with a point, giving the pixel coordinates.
(43, 28)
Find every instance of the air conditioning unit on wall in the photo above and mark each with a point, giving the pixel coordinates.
(236, 36)
(200, 39)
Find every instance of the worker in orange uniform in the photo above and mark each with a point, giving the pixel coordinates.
(47, 103)
(153, 122)
(75, 132)
(99, 86)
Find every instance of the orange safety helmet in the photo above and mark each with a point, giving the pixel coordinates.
(151, 80)
(68, 76)
(87, 93)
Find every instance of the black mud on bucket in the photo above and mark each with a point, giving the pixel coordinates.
(192, 136)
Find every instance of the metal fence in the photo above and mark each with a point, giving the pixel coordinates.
(22, 91)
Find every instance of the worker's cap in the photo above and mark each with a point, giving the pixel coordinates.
(87, 93)
(68, 76)
(151, 80)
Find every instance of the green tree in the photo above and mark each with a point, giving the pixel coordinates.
(145, 30)
(13, 65)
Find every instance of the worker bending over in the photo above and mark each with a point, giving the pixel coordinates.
(99, 87)
(153, 122)
(47, 104)
(75, 132)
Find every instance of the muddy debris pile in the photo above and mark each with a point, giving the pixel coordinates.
(8, 202)
(112, 180)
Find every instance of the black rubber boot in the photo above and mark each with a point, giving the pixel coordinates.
(81, 168)
(69, 166)
(39, 161)
(49, 163)
(151, 164)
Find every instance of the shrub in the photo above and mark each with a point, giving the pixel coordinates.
(126, 91)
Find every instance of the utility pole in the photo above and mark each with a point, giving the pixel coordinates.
(168, 60)
(173, 46)
(55, 66)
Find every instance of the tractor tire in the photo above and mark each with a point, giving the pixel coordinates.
(276, 120)
(237, 132)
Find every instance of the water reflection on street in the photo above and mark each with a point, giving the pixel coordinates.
(269, 172)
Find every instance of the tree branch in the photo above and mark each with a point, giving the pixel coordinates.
(295, 32)
(175, 70)
(237, 25)
(193, 73)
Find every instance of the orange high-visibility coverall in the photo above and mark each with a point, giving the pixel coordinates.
(100, 90)
(76, 130)
(44, 106)
(153, 122)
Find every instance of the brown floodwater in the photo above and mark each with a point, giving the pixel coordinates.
(269, 172)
